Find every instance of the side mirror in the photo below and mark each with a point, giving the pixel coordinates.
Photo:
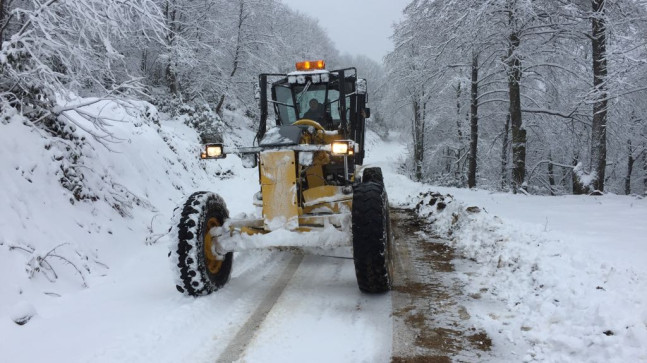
(257, 92)
(360, 86)
(249, 160)
(367, 112)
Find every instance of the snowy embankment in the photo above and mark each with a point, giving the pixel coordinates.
(84, 264)
(555, 279)
(551, 291)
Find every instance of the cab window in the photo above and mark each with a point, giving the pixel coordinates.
(285, 105)
(303, 95)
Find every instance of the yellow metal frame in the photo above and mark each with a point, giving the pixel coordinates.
(321, 205)
(279, 189)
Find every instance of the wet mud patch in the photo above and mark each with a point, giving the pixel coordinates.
(414, 288)
(422, 359)
(481, 341)
(441, 339)
(430, 320)
(439, 256)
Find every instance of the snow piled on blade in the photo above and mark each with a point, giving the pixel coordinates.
(541, 298)
(325, 238)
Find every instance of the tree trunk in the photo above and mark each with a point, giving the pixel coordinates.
(219, 105)
(551, 174)
(630, 167)
(518, 132)
(474, 128)
(418, 137)
(143, 65)
(459, 128)
(171, 75)
(171, 79)
(504, 154)
(599, 127)
(3, 16)
(239, 38)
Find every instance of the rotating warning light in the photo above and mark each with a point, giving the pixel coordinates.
(311, 65)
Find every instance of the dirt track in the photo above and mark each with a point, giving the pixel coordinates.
(429, 321)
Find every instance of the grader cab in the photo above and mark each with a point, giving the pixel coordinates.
(314, 190)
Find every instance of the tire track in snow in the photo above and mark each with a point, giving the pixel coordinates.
(246, 333)
(187, 323)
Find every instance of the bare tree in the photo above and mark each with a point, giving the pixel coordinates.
(513, 63)
(239, 46)
(599, 126)
(474, 127)
(405, 67)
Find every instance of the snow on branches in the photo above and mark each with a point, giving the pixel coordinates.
(54, 47)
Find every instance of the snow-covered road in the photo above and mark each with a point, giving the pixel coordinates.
(301, 306)
(277, 307)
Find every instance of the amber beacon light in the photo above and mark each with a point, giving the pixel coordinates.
(311, 65)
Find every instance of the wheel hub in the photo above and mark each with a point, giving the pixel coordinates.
(212, 260)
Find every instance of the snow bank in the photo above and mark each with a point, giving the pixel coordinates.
(541, 298)
(77, 209)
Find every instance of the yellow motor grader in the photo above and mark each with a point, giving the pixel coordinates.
(314, 191)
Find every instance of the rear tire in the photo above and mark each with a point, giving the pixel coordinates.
(373, 174)
(198, 270)
(371, 238)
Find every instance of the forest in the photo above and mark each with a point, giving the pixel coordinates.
(528, 96)
(546, 97)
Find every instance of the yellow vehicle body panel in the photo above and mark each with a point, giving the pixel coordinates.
(279, 190)
(322, 193)
(314, 175)
(326, 199)
(331, 207)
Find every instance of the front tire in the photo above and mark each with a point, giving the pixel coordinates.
(198, 270)
(371, 238)
(372, 174)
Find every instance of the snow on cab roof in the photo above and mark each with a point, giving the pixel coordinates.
(315, 71)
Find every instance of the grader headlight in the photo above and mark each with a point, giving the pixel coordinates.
(341, 148)
(213, 151)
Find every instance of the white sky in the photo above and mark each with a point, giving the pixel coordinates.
(355, 26)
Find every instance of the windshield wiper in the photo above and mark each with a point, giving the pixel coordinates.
(305, 89)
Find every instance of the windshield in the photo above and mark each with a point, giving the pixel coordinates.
(310, 101)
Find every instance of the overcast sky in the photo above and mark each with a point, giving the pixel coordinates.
(355, 26)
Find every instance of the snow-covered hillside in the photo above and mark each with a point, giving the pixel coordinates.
(57, 253)
(550, 278)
